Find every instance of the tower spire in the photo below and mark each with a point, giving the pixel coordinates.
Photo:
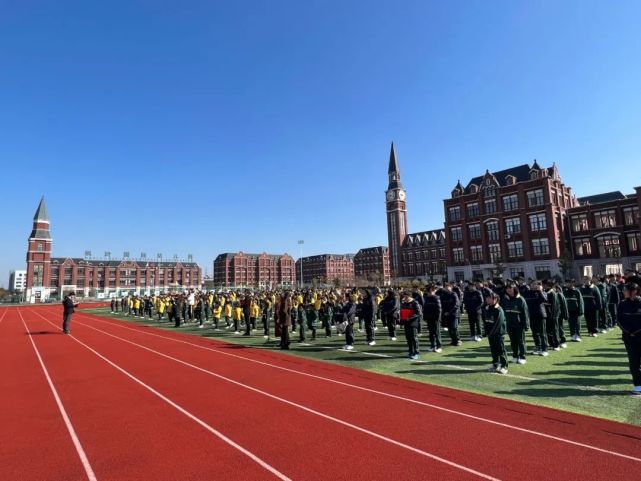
(41, 222)
(41, 212)
(393, 163)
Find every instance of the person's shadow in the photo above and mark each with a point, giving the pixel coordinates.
(41, 333)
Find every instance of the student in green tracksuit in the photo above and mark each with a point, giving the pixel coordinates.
(604, 313)
(574, 300)
(517, 320)
(563, 316)
(553, 311)
(591, 306)
(494, 320)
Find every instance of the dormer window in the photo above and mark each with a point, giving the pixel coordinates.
(510, 180)
(474, 189)
(533, 175)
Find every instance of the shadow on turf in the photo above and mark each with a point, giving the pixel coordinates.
(560, 392)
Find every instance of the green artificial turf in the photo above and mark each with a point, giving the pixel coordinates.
(590, 377)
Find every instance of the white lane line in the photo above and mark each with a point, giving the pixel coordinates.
(72, 432)
(381, 393)
(3, 314)
(202, 423)
(277, 398)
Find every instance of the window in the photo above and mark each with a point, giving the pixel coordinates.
(516, 272)
(540, 247)
(513, 226)
(579, 223)
(490, 190)
(634, 241)
(543, 272)
(38, 275)
(459, 276)
(538, 222)
(458, 254)
(495, 252)
(535, 198)
(473, 209)
(605, 219)
(630, 215)
(492, 230)
(515, 249)
(40, 248)
(455, 213)
(457, 234)
(510, 202)
(475, 231)
(582, 247)
(477, 253)
(609, 246)
(490, 206)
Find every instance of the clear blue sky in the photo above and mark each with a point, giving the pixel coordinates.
(203, 127)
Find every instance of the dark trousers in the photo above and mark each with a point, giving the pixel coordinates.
(390, 322)
(66, 321)
(612, 309)
(497, 348)
(349, 334)
(452, 325)
(591, 321)
(603, 318)
(369, 329)
(325, 322)
(434, 331)
(561, 331)
(475, 323)
(633, 346)
(301, 331)
(552, 329)
(411, 336)
(539, 333)
(575, 324)
(284, 337)
(266, 324)
(516, 333)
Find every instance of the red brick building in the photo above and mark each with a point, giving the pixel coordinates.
(371, 266)
(604, 234)
(423, 255)
(327, 269)
(509, 222)
(47, 276)
(254, 270)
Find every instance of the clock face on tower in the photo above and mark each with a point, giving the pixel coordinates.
(401, 195)
(390, 195)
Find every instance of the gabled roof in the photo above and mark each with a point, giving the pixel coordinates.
(372, 250)
(601, 198)
(521, 173)
(116, 263)
(425, 238)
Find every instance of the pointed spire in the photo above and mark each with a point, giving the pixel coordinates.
(393, 163)
(536, 165)
(41, 213)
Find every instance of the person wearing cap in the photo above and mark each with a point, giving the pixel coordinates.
(494, 320)
(69, 305)
(411, 314)
(517, 319)
(574, 301)
(629, 320)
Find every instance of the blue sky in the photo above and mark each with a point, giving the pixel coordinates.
(205, 127)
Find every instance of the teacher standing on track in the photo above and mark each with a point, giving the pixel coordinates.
(69, 305)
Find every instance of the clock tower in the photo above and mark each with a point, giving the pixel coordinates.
(395, 197)
(39, 256)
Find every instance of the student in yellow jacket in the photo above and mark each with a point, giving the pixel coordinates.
(237, 314)
(217, 312)
(227, 312)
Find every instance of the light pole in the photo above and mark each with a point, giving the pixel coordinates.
(300, 243)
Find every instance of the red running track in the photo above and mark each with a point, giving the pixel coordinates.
(151, 404)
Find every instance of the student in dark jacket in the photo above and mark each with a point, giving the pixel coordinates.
(574, 301)
(411, 315)
(69, 305)
(552, 314)
(517, 319)
(176, 310)
(432, 312)
(591, 306)
(451, 306)
(473, 301)
(614, 298)
(390, 308)
(348, 312)
(494, 320)
(368, 314)
(629, 320)
(563, 314)
(536, 299)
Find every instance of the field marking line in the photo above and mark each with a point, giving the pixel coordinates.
(4, 314)
(300, 406)
(381, 393)
(91, 476)
(191, 416)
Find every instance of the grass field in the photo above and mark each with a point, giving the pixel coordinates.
(590, 378)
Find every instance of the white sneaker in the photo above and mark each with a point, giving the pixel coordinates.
(348, 347)
(564, 346)
(545, 353)
(371, 343)
(556, 348)
(392, 339)
(376, 328)
(502, 370)
(360, 330)
(522, 361)
(438, 350)
(236, 332)
(536, 353)
(515, 360)
(603, 331)
(578, 339)
(478, 339)
(265, 337)
(200, 326)
(445, 329)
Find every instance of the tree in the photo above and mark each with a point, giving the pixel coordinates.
(499, 266)
(565, 263)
